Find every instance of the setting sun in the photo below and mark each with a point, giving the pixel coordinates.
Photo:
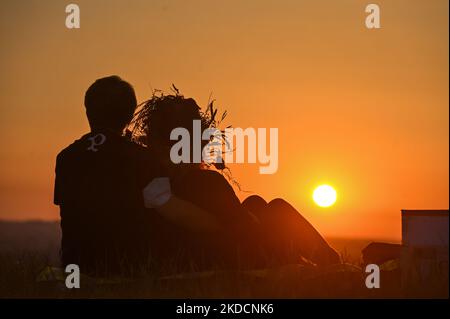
(324, 196)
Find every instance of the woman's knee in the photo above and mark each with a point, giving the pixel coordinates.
(279, 203)
(282, 209)
(254, 203)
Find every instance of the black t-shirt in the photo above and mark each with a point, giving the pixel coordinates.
(236, 241)
(209, 190)
(98, 186)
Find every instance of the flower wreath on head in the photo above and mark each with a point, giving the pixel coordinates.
(138, 128)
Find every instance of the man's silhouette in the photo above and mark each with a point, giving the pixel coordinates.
(99, 186)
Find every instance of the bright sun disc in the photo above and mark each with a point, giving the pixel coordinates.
(324, 196)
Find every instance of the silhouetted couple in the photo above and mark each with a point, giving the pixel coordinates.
(127, 209)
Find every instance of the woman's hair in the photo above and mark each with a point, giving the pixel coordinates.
(157, 117)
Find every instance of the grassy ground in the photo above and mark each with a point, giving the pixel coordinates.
(25, 250)
(18, 274)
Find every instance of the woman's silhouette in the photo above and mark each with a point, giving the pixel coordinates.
(250, 234)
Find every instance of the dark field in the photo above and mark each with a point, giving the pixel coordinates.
(27, 248)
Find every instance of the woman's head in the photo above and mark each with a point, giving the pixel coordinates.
(160, 115)
(170, 112)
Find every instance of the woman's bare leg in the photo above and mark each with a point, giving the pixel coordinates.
(287, 234)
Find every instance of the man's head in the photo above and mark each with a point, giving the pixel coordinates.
(110, 104)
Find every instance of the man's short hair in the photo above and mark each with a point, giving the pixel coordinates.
(110, 103)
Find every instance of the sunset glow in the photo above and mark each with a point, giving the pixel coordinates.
(324, 196)
(363, 107)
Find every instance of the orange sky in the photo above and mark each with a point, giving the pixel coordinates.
(364, 110)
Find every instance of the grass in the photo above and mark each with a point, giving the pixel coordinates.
(18, 274)
(26, 249)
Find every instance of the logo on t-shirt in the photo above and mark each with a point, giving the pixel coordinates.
(96, 140)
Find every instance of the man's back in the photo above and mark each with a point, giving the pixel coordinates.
(99, 182)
